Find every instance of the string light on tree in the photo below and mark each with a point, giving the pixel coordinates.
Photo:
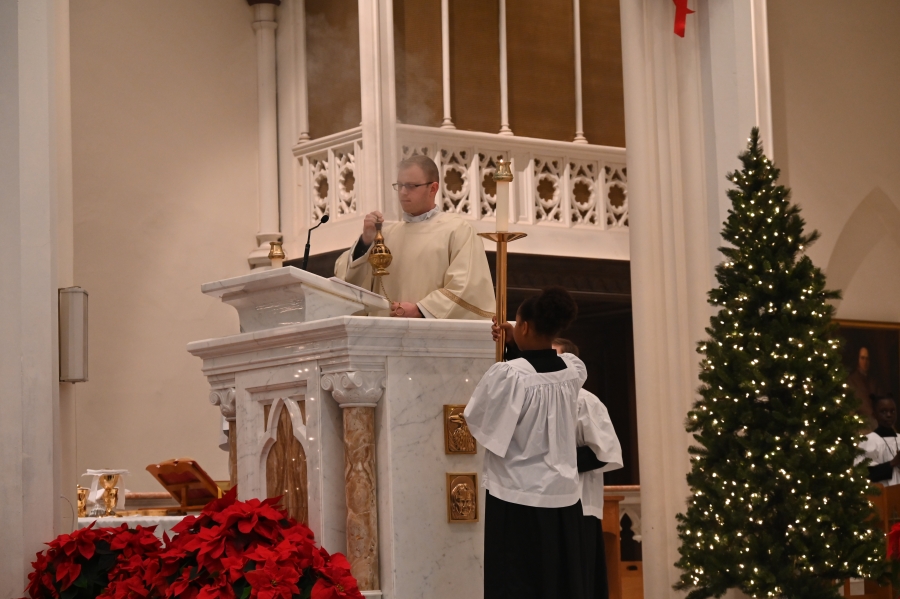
(773, 420)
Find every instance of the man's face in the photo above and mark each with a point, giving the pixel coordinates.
(863, 365)
(417, 200)
(886, 413)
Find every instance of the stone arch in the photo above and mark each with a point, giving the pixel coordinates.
(876, 218)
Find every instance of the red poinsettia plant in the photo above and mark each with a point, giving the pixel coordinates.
(232, 550)
(243, 550)
(84, 564)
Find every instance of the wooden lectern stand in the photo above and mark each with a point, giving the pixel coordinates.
(888, 506)
(186, 482)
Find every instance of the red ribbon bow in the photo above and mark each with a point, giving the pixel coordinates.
(681, 13)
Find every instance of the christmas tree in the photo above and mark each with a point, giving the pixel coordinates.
(778, 508)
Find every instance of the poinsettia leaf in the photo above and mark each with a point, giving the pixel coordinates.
(245, 593)
(70, 592)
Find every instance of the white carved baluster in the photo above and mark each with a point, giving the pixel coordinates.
(302, 86)
(547, 190)
(504, 87)
(583, 188)
(445, 62)
(346, 182)
(318, 192)
(488, 199)
(616, 196)
(455, 182)
(579, 104)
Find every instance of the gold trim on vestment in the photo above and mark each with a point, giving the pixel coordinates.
(461, 302)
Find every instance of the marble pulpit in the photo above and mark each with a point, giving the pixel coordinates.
(344, 415)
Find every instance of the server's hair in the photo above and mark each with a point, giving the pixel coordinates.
(566, 345)
(423, 162)
(550, 312)
(876, 397)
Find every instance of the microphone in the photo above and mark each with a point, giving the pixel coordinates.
(322, 221)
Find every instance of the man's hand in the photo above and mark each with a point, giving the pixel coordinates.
(368, 234)
(506, 326)
(405, 309)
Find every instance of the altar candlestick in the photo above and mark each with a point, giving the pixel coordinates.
(502, 237)
(503, 177)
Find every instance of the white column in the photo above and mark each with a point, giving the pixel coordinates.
(65, 266)
(376, 72)
(675, 129)
(32, 181)
(579, 101)
(302, 86)
(504, 88)
(447, 123)
(734, 39)
(264, 24)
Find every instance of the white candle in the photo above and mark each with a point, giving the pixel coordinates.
(277, 262)
(502, 212)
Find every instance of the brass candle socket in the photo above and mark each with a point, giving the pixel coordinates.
(276, 252)
(503, 172)
(501, 238)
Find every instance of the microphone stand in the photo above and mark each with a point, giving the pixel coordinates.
(308, 236)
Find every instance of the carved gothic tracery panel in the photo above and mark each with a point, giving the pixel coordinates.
(286, 468)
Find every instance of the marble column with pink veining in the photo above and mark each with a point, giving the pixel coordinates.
(358, 392)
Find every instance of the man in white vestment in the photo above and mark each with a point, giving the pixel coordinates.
(439, 268)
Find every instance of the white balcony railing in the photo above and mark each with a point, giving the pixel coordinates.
(329, 174)
(571, 198)
(561, 184)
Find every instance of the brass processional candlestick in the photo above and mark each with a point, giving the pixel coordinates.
(380, 258)
(503, 177)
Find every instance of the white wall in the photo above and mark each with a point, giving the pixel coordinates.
(836, 105)
(34, 192)
(164, 115)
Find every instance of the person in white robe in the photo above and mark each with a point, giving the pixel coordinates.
(881, 446)
(599, 451)
(439, 267)
(525, 412)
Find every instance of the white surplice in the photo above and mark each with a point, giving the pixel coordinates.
(438, 263)
(526, 420)
(595, 430)
(880, 450)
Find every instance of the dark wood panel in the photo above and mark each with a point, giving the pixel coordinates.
(475, 65)
(417, 62)
(332, 63)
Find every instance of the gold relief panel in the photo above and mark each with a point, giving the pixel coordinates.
(457, 438)
(462, 497)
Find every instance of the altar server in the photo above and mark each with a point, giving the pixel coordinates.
(524, 412)
(598, 451)
(881, 445)
(439, 268)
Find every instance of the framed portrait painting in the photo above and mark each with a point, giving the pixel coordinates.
(871, 355)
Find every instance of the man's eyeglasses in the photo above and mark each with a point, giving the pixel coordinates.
(408, 186)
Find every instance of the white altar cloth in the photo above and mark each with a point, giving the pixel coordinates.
(162, 523)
